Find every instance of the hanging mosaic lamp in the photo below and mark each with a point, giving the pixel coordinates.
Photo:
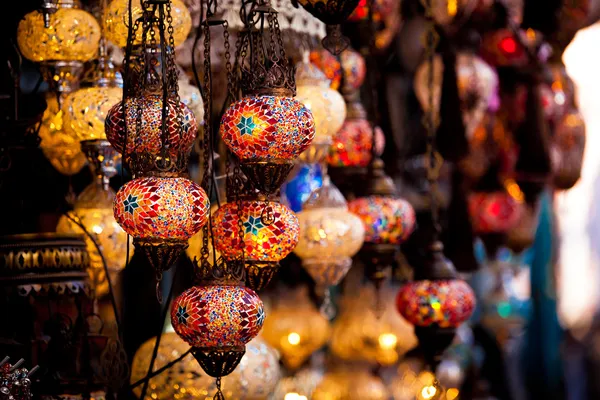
(59, 146)
(162, 214)
(503, 306)
(476, 80)
(61, 38)
(267, 133)
(436, 303)
(85, 109)
(117, 15)
(330, 236)
(495, 214)
(332, 13)
(218, 318)
(326, 105)
(388, 221)
(139, 120)
(295, 327)
(270, 233)
(267, 129)
(351, 150)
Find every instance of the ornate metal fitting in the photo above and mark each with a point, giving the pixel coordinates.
(103, 73)
(435, 266)
(267, 71)
(433, 341)
(218, 362)
(378, 182)
(103, 158)
(222, 273)
(145, 70)
(15, 382)
(62, 76)
(166, 166)
(260, 273)
(161, 253)
(267, 176)
(335, 42)
(44, 263)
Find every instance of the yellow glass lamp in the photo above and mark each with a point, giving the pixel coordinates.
(295, 327)
(255, 377)
(299, 386)
(116, 19)
(65, 34)
(94, 210)
(358, 335)
(61, 37)
(326, 104)
(60, 147)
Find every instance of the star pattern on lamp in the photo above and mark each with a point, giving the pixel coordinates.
(246, 125)
(130, 204)
(253, 225)
(182, 315)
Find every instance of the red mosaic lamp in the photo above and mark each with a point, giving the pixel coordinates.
(269, 232)
(388, 221)
(217, 318)
(162, 214)
(436, 303)
(267, 129)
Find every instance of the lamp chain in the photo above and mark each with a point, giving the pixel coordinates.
(430, 119)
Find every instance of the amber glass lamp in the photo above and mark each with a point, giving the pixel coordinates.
(61, 37)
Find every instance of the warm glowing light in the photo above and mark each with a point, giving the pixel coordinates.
(388, 340)
(428, 392)
(293, 338)
(514, 190)
(452, 394)
(452, 7)
(508, 45)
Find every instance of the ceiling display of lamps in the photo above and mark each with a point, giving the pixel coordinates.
(269, 233)
(154, 131)
(326, 104)
(295, 327)
(330, 236)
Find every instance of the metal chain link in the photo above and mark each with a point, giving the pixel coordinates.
(433, 158)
